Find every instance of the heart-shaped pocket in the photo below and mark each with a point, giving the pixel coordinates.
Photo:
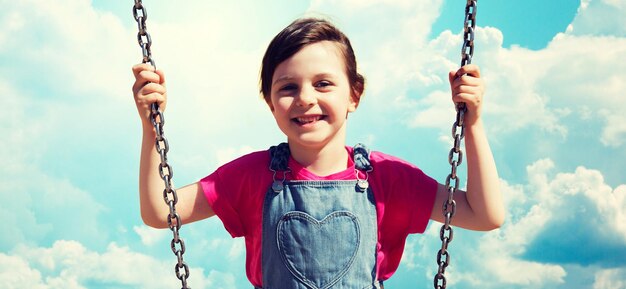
(318, 253)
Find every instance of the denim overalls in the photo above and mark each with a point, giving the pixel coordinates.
(319, 234)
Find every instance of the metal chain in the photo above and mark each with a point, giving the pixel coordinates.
(455, 157)
(162, 147)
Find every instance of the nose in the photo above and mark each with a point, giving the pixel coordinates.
(306, 97)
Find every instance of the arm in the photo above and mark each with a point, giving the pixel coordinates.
(149, 87)
(481, 207)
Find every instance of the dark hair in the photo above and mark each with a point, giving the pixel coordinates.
(298, 34)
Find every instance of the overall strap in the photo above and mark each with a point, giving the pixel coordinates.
(362, 158)
(279, 157)
(362, 163)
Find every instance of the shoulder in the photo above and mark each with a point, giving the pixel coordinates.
(392, 171)
(386, 162)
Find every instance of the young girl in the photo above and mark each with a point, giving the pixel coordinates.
(314, 212)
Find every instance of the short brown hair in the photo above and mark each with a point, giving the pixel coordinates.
(298, 34)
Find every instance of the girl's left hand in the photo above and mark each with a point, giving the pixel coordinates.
(469, 88)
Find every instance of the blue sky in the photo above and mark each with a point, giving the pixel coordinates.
(555, 73)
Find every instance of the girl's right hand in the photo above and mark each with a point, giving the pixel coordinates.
(149, 87)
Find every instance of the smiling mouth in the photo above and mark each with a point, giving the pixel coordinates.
(307, 119)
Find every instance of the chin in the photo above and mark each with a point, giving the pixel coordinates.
(309, 141)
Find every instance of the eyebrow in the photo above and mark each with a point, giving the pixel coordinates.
(282, 78)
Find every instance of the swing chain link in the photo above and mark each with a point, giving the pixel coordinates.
(143, 37)
(455, 157)
(162, 146)
(467, 51)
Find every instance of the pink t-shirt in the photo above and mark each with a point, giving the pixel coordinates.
(404, 200)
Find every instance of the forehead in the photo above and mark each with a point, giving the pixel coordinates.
(324, 57)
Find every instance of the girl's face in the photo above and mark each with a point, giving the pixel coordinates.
(311, 96)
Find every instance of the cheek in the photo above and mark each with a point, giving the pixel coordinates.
(280, 106)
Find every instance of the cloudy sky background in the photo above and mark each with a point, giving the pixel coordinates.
(555, 74)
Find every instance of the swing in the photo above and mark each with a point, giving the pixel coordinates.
(455, 157)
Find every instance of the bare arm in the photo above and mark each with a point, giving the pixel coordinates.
(149, 87)
(481, 207)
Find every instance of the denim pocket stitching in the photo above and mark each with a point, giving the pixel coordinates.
(280, 234)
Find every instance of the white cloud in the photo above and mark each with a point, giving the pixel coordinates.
(549, 201)
(510, 75)
(614, 132)
(237, 249)
(600, 17)
(610, 279)
(437, 111)
(150, 236)
(68, 264)
(507, 270)
(552, 201)
(16, 273)
(559, 194)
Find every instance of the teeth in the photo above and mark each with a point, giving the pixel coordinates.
(308, 119)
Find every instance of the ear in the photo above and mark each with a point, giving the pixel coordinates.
(354, 100)
(270, 105)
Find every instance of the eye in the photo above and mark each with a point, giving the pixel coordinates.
(288, 87)
(323, 84)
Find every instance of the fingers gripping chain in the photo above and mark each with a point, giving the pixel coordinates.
(165, 170)
(455, 156)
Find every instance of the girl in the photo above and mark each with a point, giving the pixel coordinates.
(315, 213)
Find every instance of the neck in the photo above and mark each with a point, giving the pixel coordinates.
(321, 160)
